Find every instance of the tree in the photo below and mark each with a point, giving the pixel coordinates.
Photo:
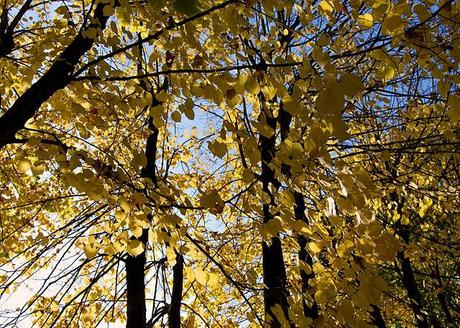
(230, 163)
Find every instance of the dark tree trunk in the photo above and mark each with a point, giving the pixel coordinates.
(176, 297)
(274, 279)
(135, 282)
(275, 292)
(57, 77)
(309, 311)
(442, 295)
(135, 266)
(376, 317)
(407, 273)
(408, 279)
(415, 298)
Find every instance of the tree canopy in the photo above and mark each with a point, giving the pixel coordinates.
(239, 163)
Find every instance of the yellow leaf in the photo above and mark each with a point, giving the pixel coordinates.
(386, 72)
(264, 129)
(305, 267)
(273, 227)
(330, 101)
(315, 247)
(269, 92)
(90, 33)
(201, 276)
(346, 311)
(176, 116)
(251, 85)
(213, 280)
(210, 199)
(135, 247)
(61, 10)
(218, 148)
(392, 25)
(301, 227)
(24, 165)
(320, 56)
(172, 220)
(453, 111)
(109, 249)
(280, 317)
(171, 256)
(351, 84)
(325, 293)
(325, 8)
(54, 307)
(108, 10)
(90, 250)
(365, 21)
(336, 220)
(37, 168)
(248, 177)
(189, 113)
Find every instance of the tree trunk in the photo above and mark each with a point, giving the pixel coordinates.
(135, 281)
(275, 292)
(135, 266)
(376, 317)
(309, 311)
(176, 297)
(56, 78)
(408, 279)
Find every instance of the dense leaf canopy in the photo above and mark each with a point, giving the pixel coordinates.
(234, 163)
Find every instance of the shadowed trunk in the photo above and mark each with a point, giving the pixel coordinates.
(275, 292)
(415, 298)
(407, 273)
(176, 297)
(408, 279)
(310, 311)
(57, 77)
(135, 281)
(376, 317)
(135, 266)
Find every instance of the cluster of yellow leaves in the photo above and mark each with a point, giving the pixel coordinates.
(212, 88)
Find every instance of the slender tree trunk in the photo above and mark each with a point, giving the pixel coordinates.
(135, 280)
(408, 279)
(442, 295)
(310, 311)
(275, 292)
(412, 290)
(407, 273)
(176, 298)
(57, 77)
(135, 265)
(376, 317)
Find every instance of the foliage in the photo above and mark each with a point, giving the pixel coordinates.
(230, 163)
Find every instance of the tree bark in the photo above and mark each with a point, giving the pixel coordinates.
(376, 317)
(408, 279)
(407, 273)
(310, 311)
(304, 256)
(275, 292)
(135, 266)
(57, 77)
(135, 281)
(176, 297)
(442, 295)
